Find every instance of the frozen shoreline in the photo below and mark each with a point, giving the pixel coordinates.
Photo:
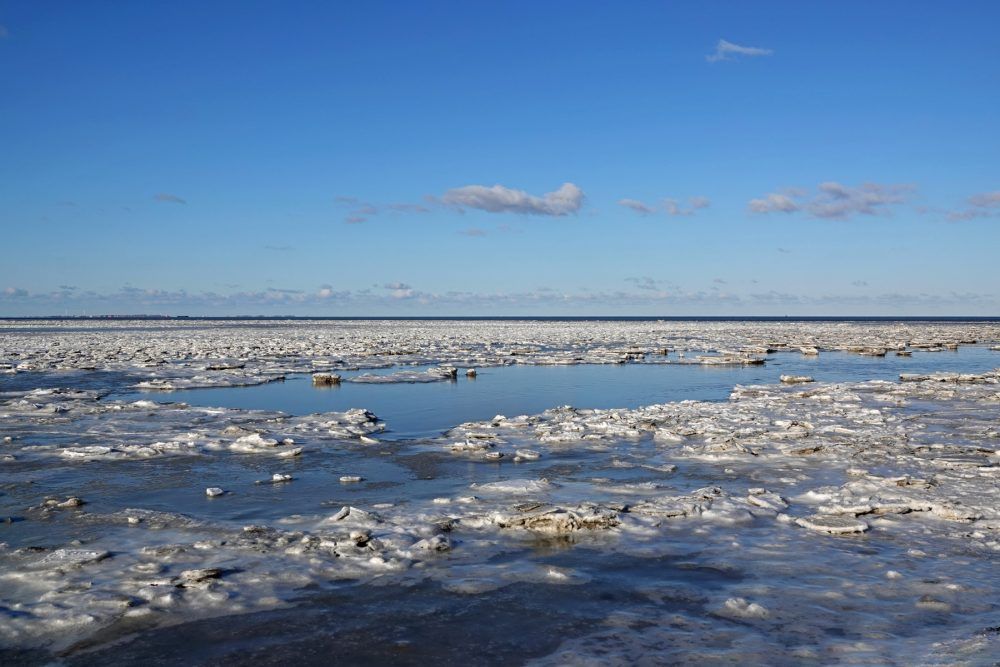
(826, 503)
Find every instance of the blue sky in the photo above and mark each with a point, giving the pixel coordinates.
(499, 158)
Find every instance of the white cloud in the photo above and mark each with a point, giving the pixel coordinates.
(644, 294)
(669, 206)
(360, 211)
(326, 292)
(644, 282)
(406, 207)
(499, 199)
(982, 205)
(496, 199)
(699, 202)
(728, 51)
(694, 204)
(774, 202)
(399, 290)
(986, 199)
(834, 201)
(840, 202)
(637, 206)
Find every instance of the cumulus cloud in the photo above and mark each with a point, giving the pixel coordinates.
(475, 232)
(399, 290)
(499, 199)
(15, 292)
(773, 203)
(669, 206)
(982, 205)
(566, 200)
(860, 283)
(326, 292)
(834, 201)
(725, 50)
(694, 204)
(168, 198)
(840, 202)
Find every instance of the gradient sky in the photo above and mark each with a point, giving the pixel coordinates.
(367, 158)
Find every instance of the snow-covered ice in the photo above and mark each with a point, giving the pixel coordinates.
(798, 522)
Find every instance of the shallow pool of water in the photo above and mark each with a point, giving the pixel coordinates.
(426, 409)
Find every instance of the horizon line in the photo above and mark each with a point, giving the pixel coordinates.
(496, 317)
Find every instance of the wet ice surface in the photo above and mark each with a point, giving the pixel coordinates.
(843, 520)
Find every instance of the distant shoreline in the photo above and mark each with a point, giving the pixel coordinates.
(510, 318)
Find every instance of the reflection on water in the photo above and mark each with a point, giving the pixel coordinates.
(421, 410)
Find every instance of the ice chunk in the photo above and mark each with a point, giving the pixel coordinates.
(835, 524)
(796, 379)
(741, 608)
(516, 486)
(61, 558)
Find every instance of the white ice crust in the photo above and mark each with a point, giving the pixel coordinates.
(781, 480)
